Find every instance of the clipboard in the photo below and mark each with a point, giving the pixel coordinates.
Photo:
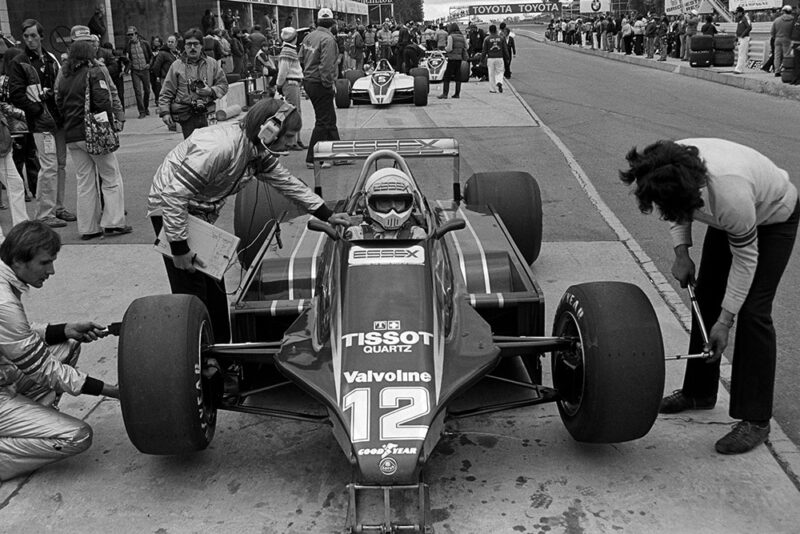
(216, 247)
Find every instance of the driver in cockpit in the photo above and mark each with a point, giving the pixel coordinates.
(391, 202)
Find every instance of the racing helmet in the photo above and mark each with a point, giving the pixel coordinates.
(390, 197)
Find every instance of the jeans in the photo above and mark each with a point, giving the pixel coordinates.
(687, 47)
(92, 171)
(741, 59)
(452, 72)
(755, 346)
(291, 92)
(141, 88)
(33, 433)
(650, 45)
(52, 176)
(324, 115)
(782, 49)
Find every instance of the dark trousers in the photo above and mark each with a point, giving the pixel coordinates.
(141, 88)
(753, 363)
(211, 292)
(453, 72)
(324, 115)
(194, 122)
(119, 82)
(155, 83)
(24, 154)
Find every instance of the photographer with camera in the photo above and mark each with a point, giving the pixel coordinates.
(192, 84)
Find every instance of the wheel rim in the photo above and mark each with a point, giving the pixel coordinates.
(208, 415)
(568, 366)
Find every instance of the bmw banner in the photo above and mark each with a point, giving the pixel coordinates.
(595, 6)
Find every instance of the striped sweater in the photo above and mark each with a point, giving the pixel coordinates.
(745, 190)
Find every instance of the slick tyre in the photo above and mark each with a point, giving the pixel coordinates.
(701, 43)
(168, 407)
(353, 74)
(257, 207)
(611, 382)
(420, 91)
(343, 93)
(418, 71)
(724, 42)
(516, 198)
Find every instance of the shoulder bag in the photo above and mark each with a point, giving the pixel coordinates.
(101, 137)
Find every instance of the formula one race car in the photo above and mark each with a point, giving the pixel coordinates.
(383, 86)
(387, 365)
(434, 65)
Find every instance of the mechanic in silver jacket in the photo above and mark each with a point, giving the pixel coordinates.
(200, 173)
(37, 362)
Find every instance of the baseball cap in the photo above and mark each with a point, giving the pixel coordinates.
(132, 29)
(288, 34)
(324, 13)
(787, 8)
(80, 33)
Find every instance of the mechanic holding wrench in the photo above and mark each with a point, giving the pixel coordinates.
(752, 212)
(200, 173)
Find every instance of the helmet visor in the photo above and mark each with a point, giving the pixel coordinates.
(385, 204)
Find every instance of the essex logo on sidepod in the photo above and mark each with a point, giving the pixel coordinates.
(414, 255)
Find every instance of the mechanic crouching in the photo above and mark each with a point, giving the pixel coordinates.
(37, 362)
(200, 173)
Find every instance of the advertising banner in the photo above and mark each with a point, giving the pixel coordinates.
(676, 7)
(595, 6)
(750, 5)
(511, 9)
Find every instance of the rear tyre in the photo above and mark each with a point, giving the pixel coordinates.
(611, 383)
(463, 72)
(419, 71)
(516, 197)
(257, 207)
(353, 74)
(420, 91)
(167, 405)
(343, 93)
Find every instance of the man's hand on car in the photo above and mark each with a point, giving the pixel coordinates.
(341, 219)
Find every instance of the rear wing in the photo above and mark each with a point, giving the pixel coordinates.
(408, 148)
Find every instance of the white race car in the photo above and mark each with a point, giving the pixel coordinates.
(383, 86)
(434, 65)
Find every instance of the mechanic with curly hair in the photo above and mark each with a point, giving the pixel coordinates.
(200, 173)
(752, 212)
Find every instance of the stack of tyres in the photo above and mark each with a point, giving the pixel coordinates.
(787, 69)
(701, 53)
(724, 43)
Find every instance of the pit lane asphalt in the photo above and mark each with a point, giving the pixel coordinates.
(517, 471)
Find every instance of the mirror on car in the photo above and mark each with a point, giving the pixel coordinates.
(318, 226)
(449, 226)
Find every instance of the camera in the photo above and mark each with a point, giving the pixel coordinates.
(198, 84)
(198, 106)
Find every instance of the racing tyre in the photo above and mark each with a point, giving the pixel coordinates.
(724, 58)
(343, 93)
(610, 384)
(787, 69)
(418, 71)
(702, 58)
(353, 74)
(701, 43)
(167, 405)
(516, 197)
(463, 72)
(257, 207)
(420, 91)
(724, 41)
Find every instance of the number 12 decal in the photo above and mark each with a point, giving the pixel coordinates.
(392, 425)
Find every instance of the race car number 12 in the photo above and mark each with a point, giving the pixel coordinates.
(408, 403)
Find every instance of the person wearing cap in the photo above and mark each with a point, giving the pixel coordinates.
(318, 55)
(781, 31)
(290, 80)
(692, 21)
(139, 57)
(214, 163)
(743, 29)
(36, 97)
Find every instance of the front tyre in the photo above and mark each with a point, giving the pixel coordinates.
(167, 405)
(420, 91)
(611, 382)
(342, 93)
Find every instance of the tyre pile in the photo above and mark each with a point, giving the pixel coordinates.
(717, 50)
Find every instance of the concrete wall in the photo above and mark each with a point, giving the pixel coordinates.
(151, 17)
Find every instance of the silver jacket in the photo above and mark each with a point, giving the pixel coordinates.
(215, 163)
(22, 347)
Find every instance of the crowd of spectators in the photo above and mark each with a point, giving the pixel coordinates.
(652, 34)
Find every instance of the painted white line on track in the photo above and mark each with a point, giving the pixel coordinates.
(786, 452)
